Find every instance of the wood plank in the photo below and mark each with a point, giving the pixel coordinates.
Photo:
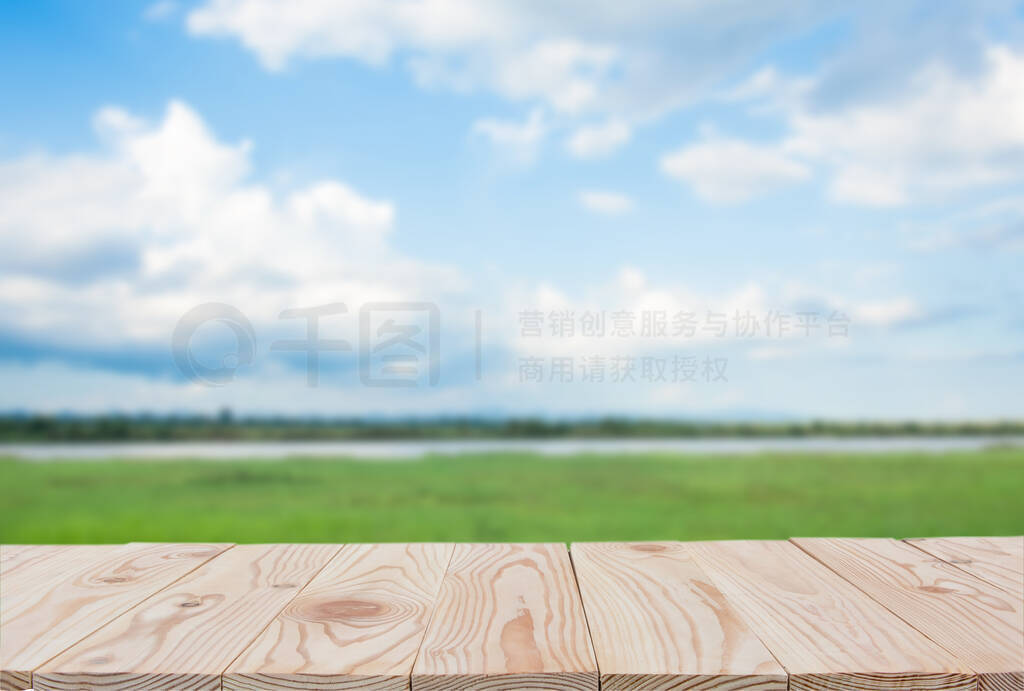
(982, 624)
(26, 575)
(13, 555)
(826, 633)
(37, 566)
(184, 636)
(44, 621)
(998, 560)
(25, 566)
(508, 617)
(9, 554)
(358, 624)
(657, 622)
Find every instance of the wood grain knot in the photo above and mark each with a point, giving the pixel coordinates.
(351, 610)
(190, 603)
(115, 579)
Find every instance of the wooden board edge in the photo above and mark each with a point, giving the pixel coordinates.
(556, 681)
(234, 681)
(884, 682)
(15, 680)
(72, 681)
(1001, 681)
(694, 682)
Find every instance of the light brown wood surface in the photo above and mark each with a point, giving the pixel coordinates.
(980, 623)
(826, 633)
(27, 575)
(79, 595)
(657, 622)
(357, 625)
(998, 560)
(12, 554)
(819, 613)
(10, 557)
(507, 617)
(186, 635)
(35, 568)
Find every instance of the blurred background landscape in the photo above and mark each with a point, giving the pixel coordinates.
(493, 270)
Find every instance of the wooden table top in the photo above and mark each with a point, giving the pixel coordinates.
(813, 613)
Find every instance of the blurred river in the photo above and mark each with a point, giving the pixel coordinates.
(405, 450)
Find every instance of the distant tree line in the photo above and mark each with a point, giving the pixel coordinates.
(225, 426)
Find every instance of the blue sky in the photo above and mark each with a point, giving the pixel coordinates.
(507, 157)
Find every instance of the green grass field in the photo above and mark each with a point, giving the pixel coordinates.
(514, 497)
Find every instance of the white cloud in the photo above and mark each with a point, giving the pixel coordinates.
(631, 63)
(948, 132)
(593, 141)
(862, 185)
(452, 43)
(885, 312)
(628, 67)
(731, 170)
(770, 88)
(564, 72)
(365, 30)
(518, 140)
(870, 311)
(571, 53)
(604, 202)
(943, 133)
(125, 241)
(582, 61)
